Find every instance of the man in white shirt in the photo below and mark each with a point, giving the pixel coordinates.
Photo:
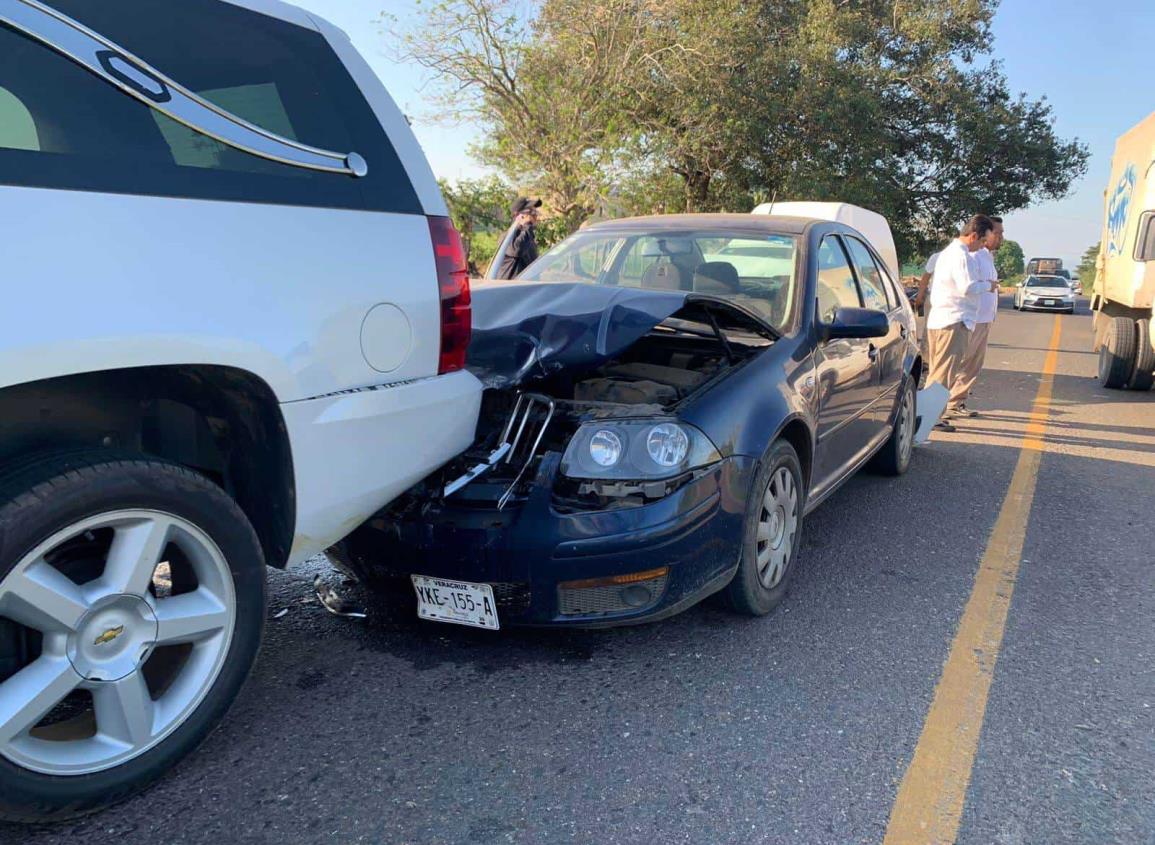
(924, 282)
(919, 302)
(988, 307)
(954, 303)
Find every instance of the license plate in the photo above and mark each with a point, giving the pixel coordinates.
(456, 602)
(1049, 302)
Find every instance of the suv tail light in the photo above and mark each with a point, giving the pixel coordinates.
(453, 281)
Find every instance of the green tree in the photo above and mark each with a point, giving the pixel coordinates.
(889, 109)
(1010, 261)
(478, 207)
(1088, 267)
(703, 101)
(542, 79)
(708, 104)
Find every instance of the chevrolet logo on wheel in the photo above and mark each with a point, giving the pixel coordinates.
(109, 635)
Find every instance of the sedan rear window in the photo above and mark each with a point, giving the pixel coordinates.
(755, 271)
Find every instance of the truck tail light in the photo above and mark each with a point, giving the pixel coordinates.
(453, 281)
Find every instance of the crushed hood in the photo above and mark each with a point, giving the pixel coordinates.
(528, 331)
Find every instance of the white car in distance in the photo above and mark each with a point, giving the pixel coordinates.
(235, 324)
(1045, 293)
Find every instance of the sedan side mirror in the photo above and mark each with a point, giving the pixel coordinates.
(857, 323)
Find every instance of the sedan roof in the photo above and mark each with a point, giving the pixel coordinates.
(694, 222)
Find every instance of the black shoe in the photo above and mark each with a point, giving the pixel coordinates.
(964, 411)
(944, 425)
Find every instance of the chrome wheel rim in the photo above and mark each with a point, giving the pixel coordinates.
(906, 428)
(777, 528)
(130, 615)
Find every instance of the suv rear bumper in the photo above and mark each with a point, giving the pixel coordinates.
(354, 451)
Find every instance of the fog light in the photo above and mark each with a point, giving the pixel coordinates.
(612, 594)
(636, 596)
(605, 448)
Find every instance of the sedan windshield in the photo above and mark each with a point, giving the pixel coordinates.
(1046, 282)
(755, 271)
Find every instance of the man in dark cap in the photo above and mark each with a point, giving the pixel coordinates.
(521, 250)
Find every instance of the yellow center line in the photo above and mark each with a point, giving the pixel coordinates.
(929, 804)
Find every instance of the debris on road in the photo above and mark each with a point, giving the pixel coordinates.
(931, 402)
(334, 602)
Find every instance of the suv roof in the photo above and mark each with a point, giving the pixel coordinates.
(278, 9)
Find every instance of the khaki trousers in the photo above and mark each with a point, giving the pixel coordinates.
(972, 364)
(948, 347)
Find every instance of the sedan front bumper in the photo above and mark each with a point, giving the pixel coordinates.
(552, 564)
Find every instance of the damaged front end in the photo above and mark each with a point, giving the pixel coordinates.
(586, 498)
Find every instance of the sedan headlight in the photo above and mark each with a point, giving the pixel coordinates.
(637, 450)
(606, 448)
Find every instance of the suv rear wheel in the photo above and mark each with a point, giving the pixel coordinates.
(132, 599)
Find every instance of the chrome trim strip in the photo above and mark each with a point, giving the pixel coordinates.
(97, 54)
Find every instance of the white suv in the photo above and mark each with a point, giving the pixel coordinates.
(234, 325)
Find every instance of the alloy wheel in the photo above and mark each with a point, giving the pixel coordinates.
(124, 621)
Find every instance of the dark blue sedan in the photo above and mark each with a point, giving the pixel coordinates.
(667, 398)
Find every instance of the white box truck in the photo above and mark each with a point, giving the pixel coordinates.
(870, 223)
(1125, 272)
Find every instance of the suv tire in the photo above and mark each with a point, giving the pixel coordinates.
(107, 543)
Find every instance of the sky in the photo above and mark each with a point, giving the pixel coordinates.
(1090, 60)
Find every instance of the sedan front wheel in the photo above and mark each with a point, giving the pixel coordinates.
(772, 535)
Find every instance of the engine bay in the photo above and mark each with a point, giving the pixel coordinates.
(671, 364)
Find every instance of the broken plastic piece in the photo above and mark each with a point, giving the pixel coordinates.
(531, 406)
(528, 404)
(929, 405)
(493, 460)
(334, 602)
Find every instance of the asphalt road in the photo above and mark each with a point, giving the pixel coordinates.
(710, 728)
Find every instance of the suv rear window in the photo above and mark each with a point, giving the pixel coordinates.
(87, 134)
